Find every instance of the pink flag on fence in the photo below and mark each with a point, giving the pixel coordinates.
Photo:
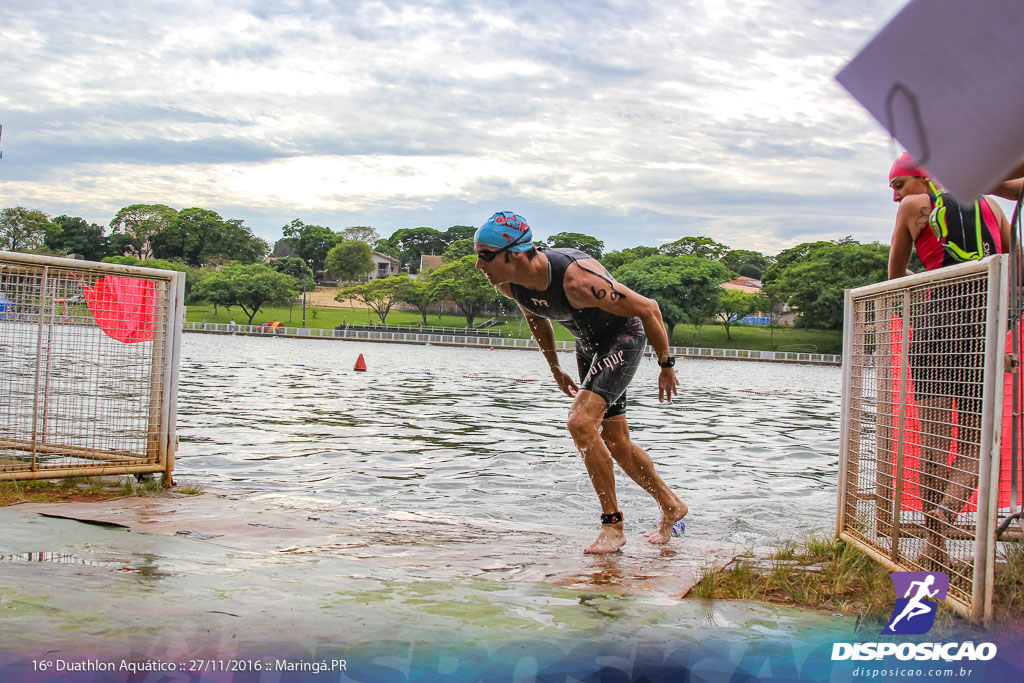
(124, 307)
(911, 499)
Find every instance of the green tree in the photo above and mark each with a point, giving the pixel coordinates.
(350, 260)
(249, 287)
(457, 250)
(199, 237)
(361, 233)
(24, 229)
(75, 236)
(577, 240)
(686, 287)
(133, 226)
(746, 263)
(457, 233)
(788, 257)
(285, 248)
(159, 264)
(298, 269)
(192, 276)
(814, 285)
(460, 282)
(418, 293)
(237, 243)
(614, 259)
(704, 247)
(412, 243)
(312, 242)
(379, 294)
(734, 304)
(186, 235)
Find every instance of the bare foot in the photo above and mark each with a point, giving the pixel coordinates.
(662, 531)
(610, 540)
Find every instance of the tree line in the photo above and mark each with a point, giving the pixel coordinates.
(685, 276)
(225, 264)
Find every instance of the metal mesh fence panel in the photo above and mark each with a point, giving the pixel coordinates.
(920, 411)
(1010, 521)
(84, 368)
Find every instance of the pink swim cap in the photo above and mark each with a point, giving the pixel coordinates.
(905, 165)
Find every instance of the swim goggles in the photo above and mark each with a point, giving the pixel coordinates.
(488, 256)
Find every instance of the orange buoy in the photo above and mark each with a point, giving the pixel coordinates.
(360, 364)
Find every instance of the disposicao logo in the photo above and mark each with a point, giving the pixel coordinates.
(914, 613)
(917, 596)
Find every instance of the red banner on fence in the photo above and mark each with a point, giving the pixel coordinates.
(889, 394)
(124, 307)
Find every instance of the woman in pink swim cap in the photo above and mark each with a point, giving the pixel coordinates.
(942, 230)
(907, 178)
(944, 326)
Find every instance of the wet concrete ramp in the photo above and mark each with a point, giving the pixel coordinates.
(442, 546)
(263, 582)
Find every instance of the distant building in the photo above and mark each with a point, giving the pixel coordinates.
(429, 262)
(744, 284)
(781, 314)
(751, 286)
(384, 266)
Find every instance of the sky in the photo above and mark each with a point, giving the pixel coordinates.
(633, 122)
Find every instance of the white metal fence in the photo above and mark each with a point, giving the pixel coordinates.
(923, 474)
(88, 367)
(453, 336)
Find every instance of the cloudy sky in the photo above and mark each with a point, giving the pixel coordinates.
(634, 122)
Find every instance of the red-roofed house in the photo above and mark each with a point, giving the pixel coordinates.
(744, 284)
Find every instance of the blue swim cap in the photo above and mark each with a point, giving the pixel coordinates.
(505, 228)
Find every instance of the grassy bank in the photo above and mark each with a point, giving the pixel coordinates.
(709, 336)
(82, 489)
(757, 338)
(824, 573)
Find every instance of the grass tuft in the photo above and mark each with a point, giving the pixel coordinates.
(821, 573)
(707, 587)
(825, 573)
(1009, 585)
(83, 489)
(188, 489)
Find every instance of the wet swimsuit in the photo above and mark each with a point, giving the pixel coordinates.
(608, 346)
(948, 320)
(957, 233)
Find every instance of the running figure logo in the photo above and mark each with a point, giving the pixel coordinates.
(914, 613)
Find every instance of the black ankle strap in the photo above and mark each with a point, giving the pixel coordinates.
(611, 518)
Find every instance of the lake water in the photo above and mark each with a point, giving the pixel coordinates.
(751, 447)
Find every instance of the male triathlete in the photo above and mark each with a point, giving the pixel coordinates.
(611, 324)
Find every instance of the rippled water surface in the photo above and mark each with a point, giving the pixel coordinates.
(751, 447)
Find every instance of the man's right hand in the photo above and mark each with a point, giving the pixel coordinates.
(667, 385)
(565, 382)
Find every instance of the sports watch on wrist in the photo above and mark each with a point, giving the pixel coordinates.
(670, 363)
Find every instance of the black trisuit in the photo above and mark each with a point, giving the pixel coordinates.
(608, 346)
